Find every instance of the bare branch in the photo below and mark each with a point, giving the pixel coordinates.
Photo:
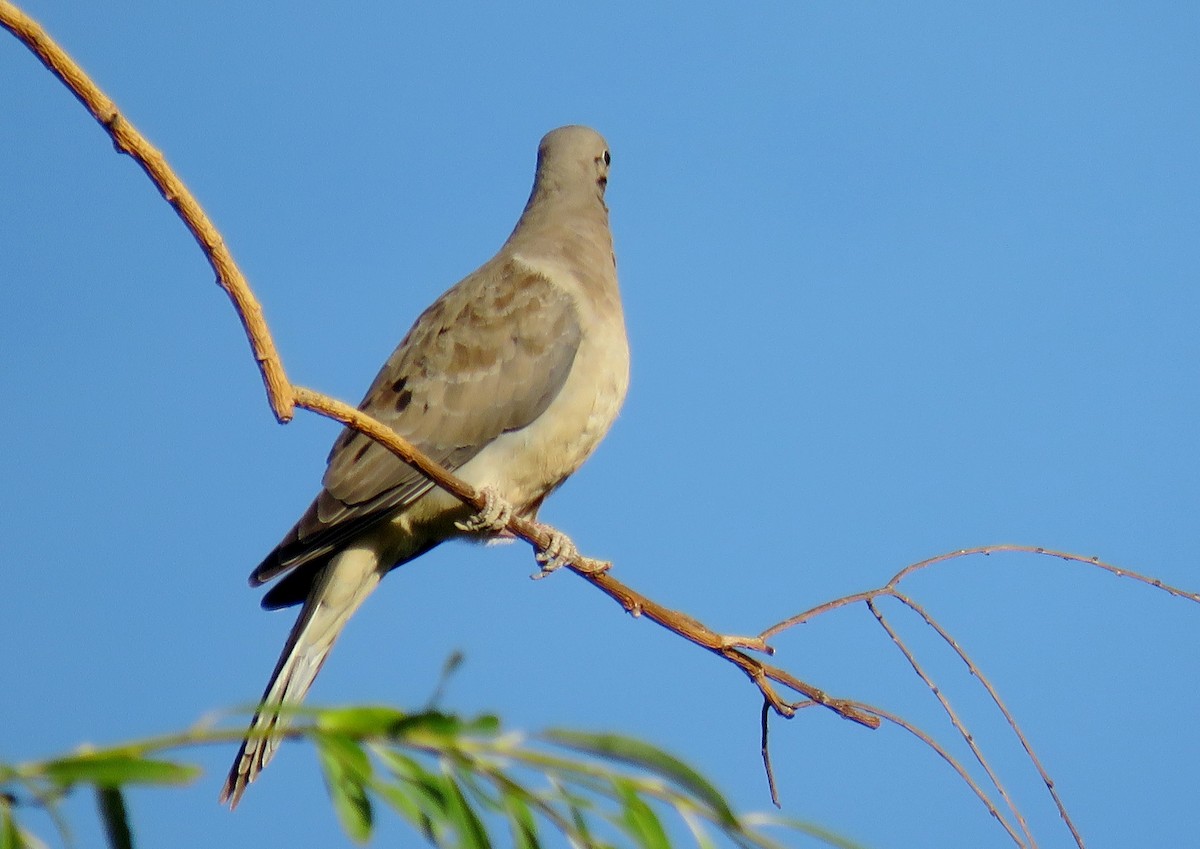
(955, 720)
(948, 758)
(127, 139)
(812, 613)
(1003, 708)
(986, 550)
(766, 754)
(1095, 562)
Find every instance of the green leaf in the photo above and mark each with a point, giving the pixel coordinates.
(427, 791)
(639, 819)
(699, 832)
(581, 826)
(437, 724)
(363, 721)
(487, 723)
(471, 829)
(348, 753)
(113, 769)
(442, 800)
(521, 821)
(757, 821)
(431, 787)
(115, 817)
(10, 838)
(346, 768)
(649, 757)
(582, 832)
(477, 780)
(402, 802)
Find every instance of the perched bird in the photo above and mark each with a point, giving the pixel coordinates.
(510, 380)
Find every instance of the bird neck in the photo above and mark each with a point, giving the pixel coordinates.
(550, 208)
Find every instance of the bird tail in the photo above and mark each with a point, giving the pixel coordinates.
(336, 594)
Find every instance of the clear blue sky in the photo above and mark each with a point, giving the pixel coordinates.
(897, 281)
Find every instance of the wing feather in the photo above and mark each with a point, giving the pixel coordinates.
(486, 358)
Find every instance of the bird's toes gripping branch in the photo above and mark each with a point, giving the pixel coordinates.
(492, 518)
(559, 551)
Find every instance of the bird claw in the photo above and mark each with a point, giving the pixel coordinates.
(492, 518)
(559, 551)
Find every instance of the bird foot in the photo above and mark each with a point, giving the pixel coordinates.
(492, 518)
(561, 551)
(558, 552)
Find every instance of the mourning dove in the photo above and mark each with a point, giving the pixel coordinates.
(510, 379)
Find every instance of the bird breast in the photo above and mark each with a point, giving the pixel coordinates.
(525, 464)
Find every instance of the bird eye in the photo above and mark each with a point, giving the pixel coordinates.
(607, 158)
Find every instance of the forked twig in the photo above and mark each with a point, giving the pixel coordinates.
(891, 589)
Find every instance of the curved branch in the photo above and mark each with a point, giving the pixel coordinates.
(955, 720)
(127, 139)
(1095, 562)
(950, 759)
(986, 550)
(1002, 707)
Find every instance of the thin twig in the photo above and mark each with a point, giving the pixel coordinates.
(1096, 562)
(955, 720)
(891, 589)
(814, 612)
(1003, 708)
(766, 754)
(986, 550)
(948, 758)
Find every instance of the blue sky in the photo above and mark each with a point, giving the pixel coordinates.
(897, 281)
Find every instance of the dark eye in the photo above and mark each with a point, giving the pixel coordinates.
(607, 158)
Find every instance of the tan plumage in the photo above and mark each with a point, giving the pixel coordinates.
(510, 379)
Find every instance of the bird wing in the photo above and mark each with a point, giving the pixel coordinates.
(486, 358)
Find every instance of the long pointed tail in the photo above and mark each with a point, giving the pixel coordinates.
(337, 593)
